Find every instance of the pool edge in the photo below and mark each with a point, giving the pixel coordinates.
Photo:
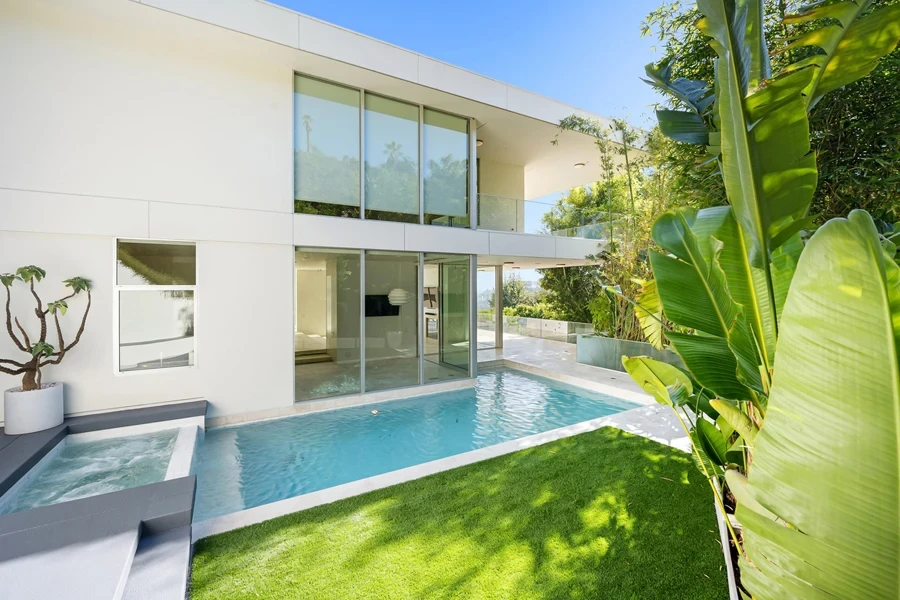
(635, 421)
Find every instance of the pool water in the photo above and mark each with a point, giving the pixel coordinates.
(243, 466)
(82, 469)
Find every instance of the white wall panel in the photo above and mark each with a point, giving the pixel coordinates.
(191, 222)
(523, 244)
(63, 213)
(431, 238)
(337, 232)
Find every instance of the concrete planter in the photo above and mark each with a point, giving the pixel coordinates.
(606, 352)
(36, 410)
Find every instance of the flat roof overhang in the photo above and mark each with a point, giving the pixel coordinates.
(517, 126)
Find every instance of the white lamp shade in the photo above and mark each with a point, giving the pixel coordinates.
(398, 297)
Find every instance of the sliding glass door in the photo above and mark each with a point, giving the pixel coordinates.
(374, 320)
(447, 316)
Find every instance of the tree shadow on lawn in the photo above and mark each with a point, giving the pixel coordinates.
(600, 515)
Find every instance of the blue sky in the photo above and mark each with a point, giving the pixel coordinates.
(588, 54)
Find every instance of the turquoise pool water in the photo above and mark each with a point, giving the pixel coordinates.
(249, 465)
(86, 469)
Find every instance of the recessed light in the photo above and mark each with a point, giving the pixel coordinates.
(560, 264)
(517, 267)
(579, 165)
(479, 143)
(509, 262)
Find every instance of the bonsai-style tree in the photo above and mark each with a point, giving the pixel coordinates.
(41, 353)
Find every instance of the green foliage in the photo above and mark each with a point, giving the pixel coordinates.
(853, 129)
(29, 273)
(739, 278)
(58, 305)
(41, 350)
(78, 284)
(538, 310)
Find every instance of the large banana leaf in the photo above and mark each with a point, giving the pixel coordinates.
(649, 311)
(768, 169)
(827, 461)
(852, 46)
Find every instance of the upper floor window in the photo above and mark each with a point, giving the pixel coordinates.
(156, 288)
(326, 148)
(415, 160)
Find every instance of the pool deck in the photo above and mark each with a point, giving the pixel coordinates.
(557, 361)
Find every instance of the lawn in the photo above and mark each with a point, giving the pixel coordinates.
(603, 514)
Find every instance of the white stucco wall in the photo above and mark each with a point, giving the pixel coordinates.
(119, 120)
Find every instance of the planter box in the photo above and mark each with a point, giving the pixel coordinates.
(600, 351)
(36, 410)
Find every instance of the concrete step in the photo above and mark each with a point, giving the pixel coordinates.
(161, 567)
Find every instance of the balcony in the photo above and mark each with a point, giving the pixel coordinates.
(499, 213)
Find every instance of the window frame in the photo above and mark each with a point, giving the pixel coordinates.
(117, 288)
(471, 154)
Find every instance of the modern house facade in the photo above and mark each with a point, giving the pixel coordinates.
(276, 213)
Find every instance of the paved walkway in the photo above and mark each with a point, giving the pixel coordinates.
(558, 357)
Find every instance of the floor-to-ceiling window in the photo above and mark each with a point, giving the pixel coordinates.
(391, 320)
(327, 323)
(445, 151)
(391, 160)
(359, 154)
(326, 148)
(446, 313)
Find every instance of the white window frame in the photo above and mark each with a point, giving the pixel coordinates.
(116, 289)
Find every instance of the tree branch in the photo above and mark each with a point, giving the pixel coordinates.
(9, 328)
(63, 349)
(39, 311)
(12, 362)
(24, 335)
(11, 371)
(72, 295)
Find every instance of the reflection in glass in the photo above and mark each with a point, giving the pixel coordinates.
(155, 263)
(391, 313)
(446, 316)
(445, 146)
(392, 160)
(326, 148)
(156, 329)
(487, 314)
(327, 322)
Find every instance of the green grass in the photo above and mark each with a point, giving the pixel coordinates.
(599, 515)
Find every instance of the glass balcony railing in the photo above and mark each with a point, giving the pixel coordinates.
(499, 213)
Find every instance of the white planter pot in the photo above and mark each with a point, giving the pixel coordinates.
(36, 410)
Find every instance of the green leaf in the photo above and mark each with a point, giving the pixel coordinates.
(768, 169)
(656, 378)
(827, 461)
(29, 272)
(740, 422)
(41, 349)
(712, 441)
(7, 279)
(851, 48)
(711, 362)
(681, 126)
(737, 483)
(59, 305)
(78, 284)
(649, 311)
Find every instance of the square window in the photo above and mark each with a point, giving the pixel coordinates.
(156, 298)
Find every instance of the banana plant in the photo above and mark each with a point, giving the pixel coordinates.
(727, 273)
(820, 508)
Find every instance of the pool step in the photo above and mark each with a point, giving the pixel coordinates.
(161, 567)
(308, 358)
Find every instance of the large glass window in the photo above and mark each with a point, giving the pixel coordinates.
(326, 148)
(446, 316)
(156, 301)
(391, 317)
(445, 147)
(392, 160)
(327, 323)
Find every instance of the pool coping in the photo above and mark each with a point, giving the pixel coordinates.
(272, 510)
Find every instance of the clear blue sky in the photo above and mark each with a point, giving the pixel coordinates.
(588, 54)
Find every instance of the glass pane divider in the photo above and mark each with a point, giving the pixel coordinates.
(362, 166)
(422, 329)
(421, 167)
(362, 321)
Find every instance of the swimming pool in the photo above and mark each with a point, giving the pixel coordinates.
(81, 469)
(249, 465)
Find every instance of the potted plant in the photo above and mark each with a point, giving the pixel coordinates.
(36, 405)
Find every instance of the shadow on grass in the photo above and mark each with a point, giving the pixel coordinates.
(600, 515)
